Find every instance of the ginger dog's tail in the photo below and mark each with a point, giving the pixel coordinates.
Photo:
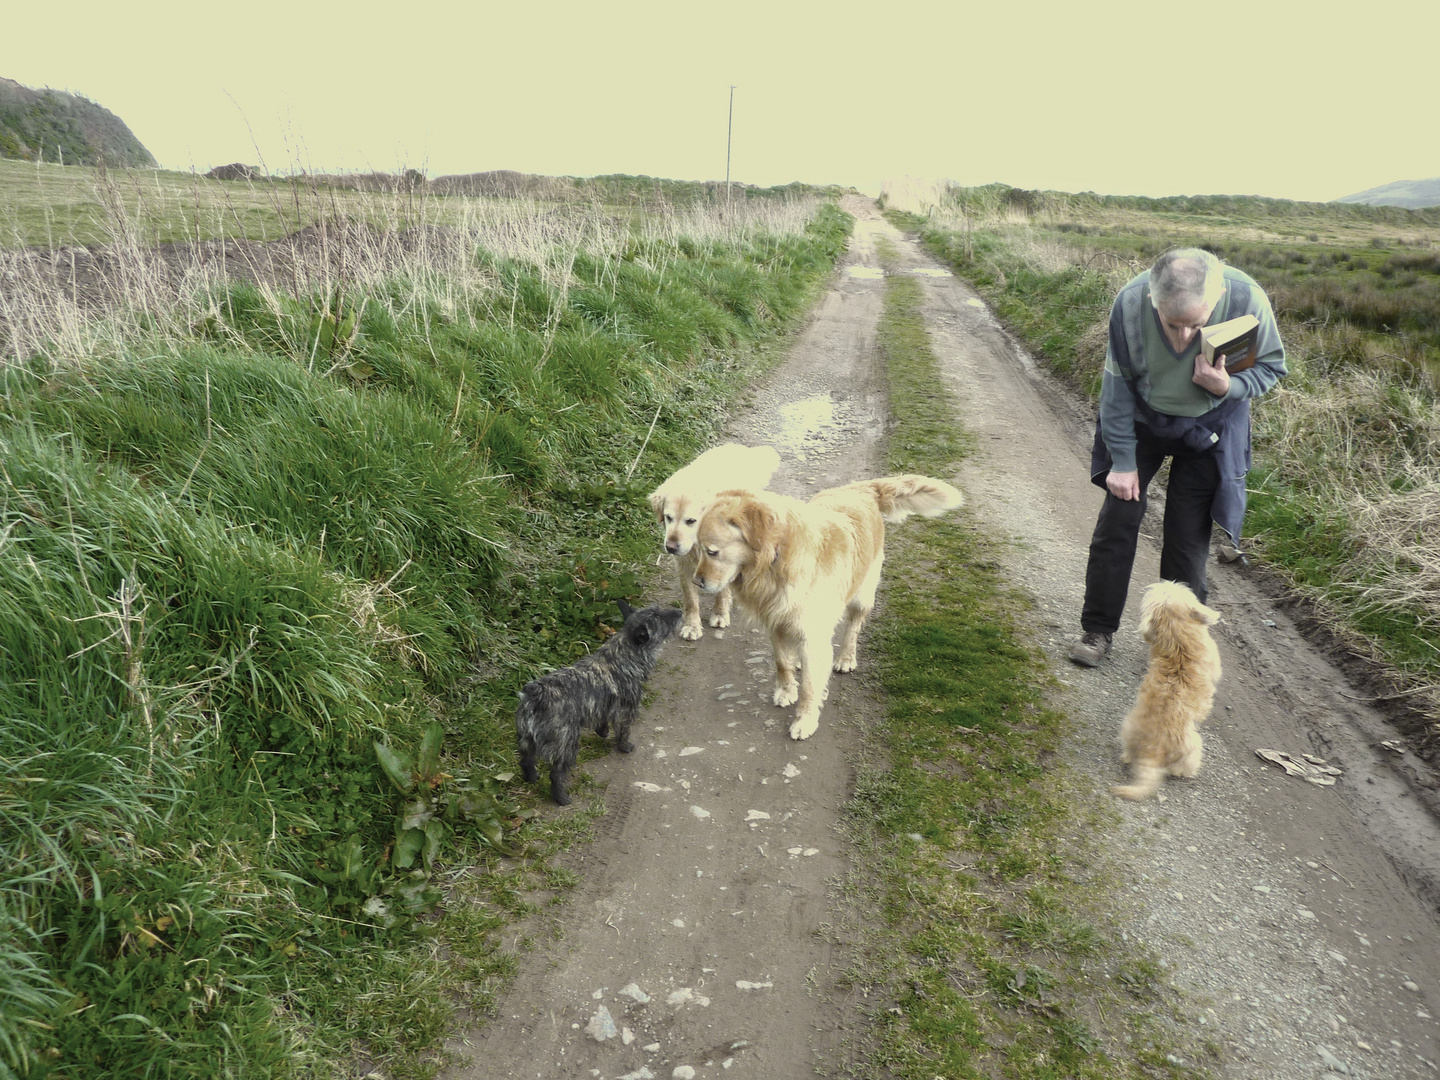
(1148, 779)
(900, 496)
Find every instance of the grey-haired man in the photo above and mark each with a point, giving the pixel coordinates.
(1161, 398)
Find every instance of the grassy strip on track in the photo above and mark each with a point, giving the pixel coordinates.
(227, 570)
(998, 955)
(1349, 520)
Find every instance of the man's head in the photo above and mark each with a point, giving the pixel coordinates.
(1185, 286)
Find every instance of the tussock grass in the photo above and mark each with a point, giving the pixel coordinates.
(1345, 485)
(257, 517)
(998, 954)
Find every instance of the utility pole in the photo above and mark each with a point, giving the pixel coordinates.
(729, 127)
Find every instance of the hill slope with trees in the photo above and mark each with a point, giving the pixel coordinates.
(56, 126)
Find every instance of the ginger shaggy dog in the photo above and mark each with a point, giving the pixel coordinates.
(801, 567)
(680, 502)
(1159, 736)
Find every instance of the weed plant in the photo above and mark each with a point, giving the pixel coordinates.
(998, 946)
(252, 527)
(1346, 485)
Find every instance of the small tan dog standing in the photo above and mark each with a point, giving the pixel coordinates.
(801, 567)
(1159, 736)
(680, 502)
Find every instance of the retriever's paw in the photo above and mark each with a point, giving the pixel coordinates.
(720, 619)
(846, 662)
(805, 726)
(787, 695)
(692, 631)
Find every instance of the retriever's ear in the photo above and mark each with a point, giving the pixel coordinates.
(759, 526)
(657, 505)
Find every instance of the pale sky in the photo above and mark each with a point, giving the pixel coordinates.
(1293, 100)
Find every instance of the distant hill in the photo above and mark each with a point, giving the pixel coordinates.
(1412, 194)
(64, 128)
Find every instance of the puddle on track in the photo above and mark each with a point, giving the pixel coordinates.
(812, 424)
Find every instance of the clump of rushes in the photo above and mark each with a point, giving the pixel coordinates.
(997, 952)
(247, 536)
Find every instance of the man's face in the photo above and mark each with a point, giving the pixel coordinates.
(1182, 324)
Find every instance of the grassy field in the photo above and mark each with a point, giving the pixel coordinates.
(274, 559)
(1345, 494)
(50, 205)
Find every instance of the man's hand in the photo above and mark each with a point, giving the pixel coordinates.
(1123, 485)
(1213, 378)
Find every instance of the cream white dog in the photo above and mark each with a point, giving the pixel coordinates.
(1158, 736)
(801, 567)
(680, 502)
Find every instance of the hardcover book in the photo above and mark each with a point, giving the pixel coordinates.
(1234, 339)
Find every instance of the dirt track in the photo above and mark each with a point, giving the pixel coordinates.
(1301, 918)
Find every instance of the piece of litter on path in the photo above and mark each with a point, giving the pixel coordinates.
(691, 750)
(756, 815)
(601, 1025)
(746, 984)
(790, 771)
(1312, 768)
(700, 812)
(1393, 745)
(645, 785)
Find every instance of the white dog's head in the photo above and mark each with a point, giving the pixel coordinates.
(679, 514)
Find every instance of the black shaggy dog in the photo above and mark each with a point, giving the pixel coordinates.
(593, 692)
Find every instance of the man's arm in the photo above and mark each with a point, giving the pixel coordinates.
(1117, 412)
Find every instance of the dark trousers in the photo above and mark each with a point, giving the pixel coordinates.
(1185, 547)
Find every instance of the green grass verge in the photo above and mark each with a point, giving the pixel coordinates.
(998, 954)
(228, 572)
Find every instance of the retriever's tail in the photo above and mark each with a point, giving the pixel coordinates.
(1147, 780)
(900, 496)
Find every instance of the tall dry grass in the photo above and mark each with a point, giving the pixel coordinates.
(68, 302)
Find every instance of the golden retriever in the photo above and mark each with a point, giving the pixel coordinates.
(680, 502)
(800, 567)
(1158, 736)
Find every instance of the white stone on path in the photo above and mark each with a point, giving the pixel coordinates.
(685, 995)
(632, 990)
(700, 812)
(746, 984)
(683, 1072)
(691, 750)
(756, 815)
(601, 1025)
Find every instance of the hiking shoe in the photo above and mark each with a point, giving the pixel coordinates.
(1092, 647)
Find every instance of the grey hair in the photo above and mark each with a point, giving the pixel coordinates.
(1184, 277)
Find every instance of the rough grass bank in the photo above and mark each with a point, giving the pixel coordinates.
(1345, 494)
(275, 555)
